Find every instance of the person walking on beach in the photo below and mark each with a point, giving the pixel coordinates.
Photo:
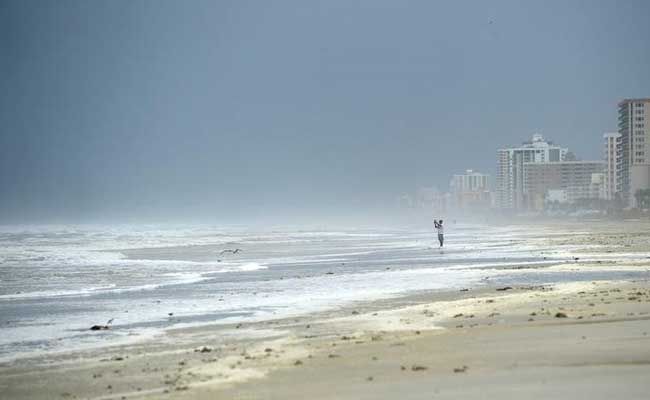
(441, 231)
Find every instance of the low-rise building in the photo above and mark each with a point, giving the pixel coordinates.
(575, 178)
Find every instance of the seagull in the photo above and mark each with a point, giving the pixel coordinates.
(230, 251)
(110, 321)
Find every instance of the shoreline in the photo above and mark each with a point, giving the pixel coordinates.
(392, 301)
(450, 343)
(188, 363)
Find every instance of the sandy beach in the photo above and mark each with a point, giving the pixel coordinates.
(566, 340)
(324, 200)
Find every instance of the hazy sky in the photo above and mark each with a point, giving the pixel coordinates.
(231, 110)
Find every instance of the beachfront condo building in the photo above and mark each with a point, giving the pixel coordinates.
(470, 181)
(633, 166)
(471, 190)
(510, 169)
(574, 180)
(610, 154)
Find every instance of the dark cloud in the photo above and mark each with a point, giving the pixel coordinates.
(238, 109)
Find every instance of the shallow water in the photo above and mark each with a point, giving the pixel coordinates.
(57, 281)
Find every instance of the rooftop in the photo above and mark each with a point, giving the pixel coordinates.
(566, 162)
(641, 100)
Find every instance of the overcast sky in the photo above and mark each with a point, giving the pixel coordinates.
(230, 110)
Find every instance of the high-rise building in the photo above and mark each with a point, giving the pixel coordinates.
(510, 170)
(471, 190)
(633, 164)
(577, 179)
(470, 181)
(610, 154)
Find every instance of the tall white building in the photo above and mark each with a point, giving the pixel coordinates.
(510, 169)
(471, 190)
(633, 165)
(470, 181)
(610, 156)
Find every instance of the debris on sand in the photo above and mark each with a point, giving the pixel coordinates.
(104, 327)
(461, 369)
(99, 327)
(204, 349)
(415, 367)
(504, 288)
(560, 315)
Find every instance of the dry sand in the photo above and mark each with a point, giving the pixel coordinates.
(574, 340)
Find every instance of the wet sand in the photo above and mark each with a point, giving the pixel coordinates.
(508, 346)
(570, 340)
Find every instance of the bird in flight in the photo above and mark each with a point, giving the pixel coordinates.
(235, 251)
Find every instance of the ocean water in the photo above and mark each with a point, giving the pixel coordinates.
(57, 281)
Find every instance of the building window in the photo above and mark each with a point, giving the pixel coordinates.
(640, 118)
(639, 104)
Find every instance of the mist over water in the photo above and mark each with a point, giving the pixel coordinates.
(292, 112)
